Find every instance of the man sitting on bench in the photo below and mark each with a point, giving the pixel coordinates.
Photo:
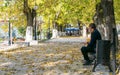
(90, 48)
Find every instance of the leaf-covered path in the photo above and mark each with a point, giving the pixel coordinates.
(45, 59)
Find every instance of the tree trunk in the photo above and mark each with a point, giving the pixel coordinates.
(84, 31)
(109, 18)
(79, 26)
(98, 20)
(55, 26)
(107, 6)
(105, 16)
(30, 14)
(54, 31)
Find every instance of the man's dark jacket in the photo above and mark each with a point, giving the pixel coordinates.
(95, 35)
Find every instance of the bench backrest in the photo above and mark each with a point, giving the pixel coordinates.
(103, 51)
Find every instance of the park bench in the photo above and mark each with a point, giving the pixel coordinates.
(102, 54)
(106, 53)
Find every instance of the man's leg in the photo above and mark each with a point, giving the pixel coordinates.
(85, 51)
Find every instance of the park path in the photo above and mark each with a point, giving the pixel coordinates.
(68, 40)
(50, 58)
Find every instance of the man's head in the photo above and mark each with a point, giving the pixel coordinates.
(92, 27)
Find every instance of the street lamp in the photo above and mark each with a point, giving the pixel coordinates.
(35, 8)
(10, 35)
(48, 34)
(7, 3)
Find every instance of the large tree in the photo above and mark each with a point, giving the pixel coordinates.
(30, 13)
(105, 19)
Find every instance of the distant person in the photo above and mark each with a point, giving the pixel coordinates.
(95, 35)
(13, 40)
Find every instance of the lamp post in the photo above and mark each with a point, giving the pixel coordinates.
(35, 32)
(48, 33)
(10, 35)
(49, 28)
(35, 29)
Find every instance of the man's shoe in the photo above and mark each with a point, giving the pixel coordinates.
(87, 63)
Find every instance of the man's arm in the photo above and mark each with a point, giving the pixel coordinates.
(93, 40)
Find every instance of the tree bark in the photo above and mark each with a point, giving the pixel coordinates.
(109, 17)
(98, 20)
(104, 19)
(79, 26)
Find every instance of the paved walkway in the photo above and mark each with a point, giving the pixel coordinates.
(46, 59)
(4, 46)
(59, 56)
(7, 47)
(68, 40)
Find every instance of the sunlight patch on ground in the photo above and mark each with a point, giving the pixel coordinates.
(51, 64)
(6, 64)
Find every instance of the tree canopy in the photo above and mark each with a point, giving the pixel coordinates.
(59, 11)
